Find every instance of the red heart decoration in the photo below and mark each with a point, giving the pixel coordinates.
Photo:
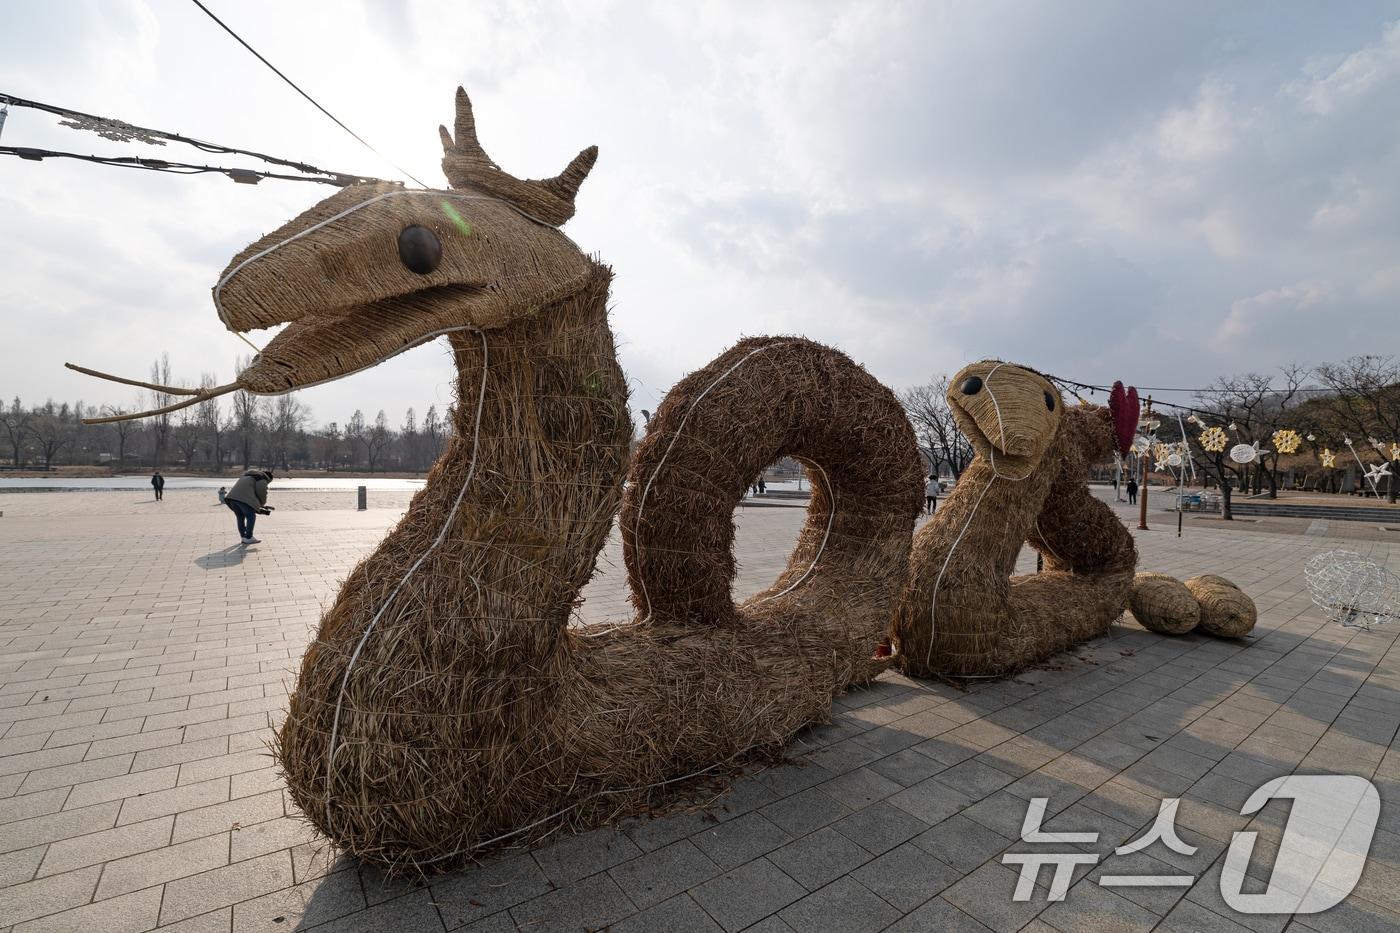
(1124, 409)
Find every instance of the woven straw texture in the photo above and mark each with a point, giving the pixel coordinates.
(962, 611)
(445, 705)
(1225, 609)
(1163, 604)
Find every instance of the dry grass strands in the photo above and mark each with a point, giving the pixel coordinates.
(1163, 604)
(1226, 611)
(962, 611)
(474, 711)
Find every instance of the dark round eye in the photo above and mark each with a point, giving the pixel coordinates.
(1049, 402)
(419, 249)
(971, 385)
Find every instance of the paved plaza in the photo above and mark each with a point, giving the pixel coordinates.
(144, 662)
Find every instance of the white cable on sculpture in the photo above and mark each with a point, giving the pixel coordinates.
(441, 535)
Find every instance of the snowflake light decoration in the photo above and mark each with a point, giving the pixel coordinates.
(1286, 441)
(1395, 451)
(1329, 459)
(1353, 590)
(1213, 440)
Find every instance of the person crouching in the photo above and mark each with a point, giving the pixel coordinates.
(248, 499)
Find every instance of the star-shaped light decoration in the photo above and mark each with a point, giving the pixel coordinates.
(1213, 440)
(1329, 459)
(1287, 441)
(1377, 473)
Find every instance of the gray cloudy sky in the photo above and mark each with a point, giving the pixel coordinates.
(1155, 192)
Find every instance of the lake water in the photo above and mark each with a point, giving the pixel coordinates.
(133, 483)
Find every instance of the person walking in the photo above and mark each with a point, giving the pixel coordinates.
(158, 484)
(931, 493)
(762, 487)
(223, 494)
(1132, 490)
(247, 500)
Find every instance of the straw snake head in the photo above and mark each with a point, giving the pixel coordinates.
(1008, 412)
(376, 269)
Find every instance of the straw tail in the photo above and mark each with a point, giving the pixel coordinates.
(469, 634)
(466, 165)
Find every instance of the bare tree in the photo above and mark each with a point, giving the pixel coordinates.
(160, 426)
(432, 433)
(935, 427)
(378, 438)
(123, 431)
(15, 421)
(1366, 402)
(356, 432)
(408, 441)
(51, 428)
(287, 419)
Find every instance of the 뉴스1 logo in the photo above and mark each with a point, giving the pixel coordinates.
(1319, 862)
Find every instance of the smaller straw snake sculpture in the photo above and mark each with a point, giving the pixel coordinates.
(962, 611)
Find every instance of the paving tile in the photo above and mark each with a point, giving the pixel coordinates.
(25, 806)
(906, 877)
(1089, 907)
(36, 830)
(805, 811)
(44, 896)
(938, 916)
(655, 876)
(880, 827)
(843, 906)
(232, 815)
(1189, 917)
(818, 858)
(175, 800)
(496, 886)
(680, 914)
(156, 866)
(587, 854)
(962, 843)
(301, 906)
(19, 867)
(130, 913)
(591, 904)
(412, 912)
(106, 845)
(986, 896)
(240, 881)
(859, 788)
(745, 895)
(931, 800)
(737, 841)
(118, 788)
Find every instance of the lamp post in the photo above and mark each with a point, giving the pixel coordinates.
(1146, 422)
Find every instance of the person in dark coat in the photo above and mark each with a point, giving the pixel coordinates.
(247, 500)
(1132, 490)
(158, 484)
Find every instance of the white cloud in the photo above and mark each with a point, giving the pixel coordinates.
(1097, 190)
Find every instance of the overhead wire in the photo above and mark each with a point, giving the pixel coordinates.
(308, 97)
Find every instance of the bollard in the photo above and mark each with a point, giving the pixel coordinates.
(361, 493)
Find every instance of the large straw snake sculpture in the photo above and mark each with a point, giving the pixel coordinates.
(446, 704)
